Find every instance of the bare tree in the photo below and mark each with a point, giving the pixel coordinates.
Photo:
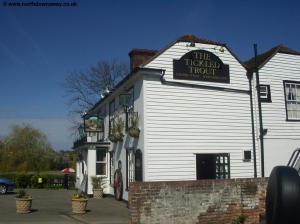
(84, 88)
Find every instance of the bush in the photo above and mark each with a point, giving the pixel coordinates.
(97, 182)
(23, 180)
(37, 181)
(240, 220)
(49, 181)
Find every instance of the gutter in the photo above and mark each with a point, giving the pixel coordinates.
(164, 81)
(252, 126)
(261, 129)
(127, 77)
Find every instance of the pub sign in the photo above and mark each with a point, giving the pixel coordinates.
(93, 124)
(201, 65)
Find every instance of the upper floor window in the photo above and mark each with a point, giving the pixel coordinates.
(112, 108)
(292, 100)
(127, 99)
(265, 93)
(101, 114)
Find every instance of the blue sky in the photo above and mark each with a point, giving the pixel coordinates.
(40, 46)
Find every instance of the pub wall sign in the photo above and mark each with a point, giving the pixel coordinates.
(201, 65)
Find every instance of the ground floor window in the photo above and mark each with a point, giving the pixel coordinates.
(112, 167)
(222, 166)
(82, 167)
(101, 161)
(134, 165)
(213, 166)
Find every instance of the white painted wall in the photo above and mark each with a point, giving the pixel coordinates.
(119, 148)
(91, 156)
(283, 136)
(278, 152)
(81, 170)
(183, 121)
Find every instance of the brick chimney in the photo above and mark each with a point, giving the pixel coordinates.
(139, 56)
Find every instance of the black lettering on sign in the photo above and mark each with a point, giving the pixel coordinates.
(201, 65)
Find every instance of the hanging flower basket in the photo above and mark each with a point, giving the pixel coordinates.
(113, 138)
(119, 137)
(134, 132)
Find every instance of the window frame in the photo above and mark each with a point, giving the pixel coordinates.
(246, 154)
(129, 109)
(130, 156)
(286, 101)
(102, 162)
(268, 98)
(129, 92)
(82, 167)
(131, 166)
(138, 151)
(111, 167)
(111, 114)
(222, 161)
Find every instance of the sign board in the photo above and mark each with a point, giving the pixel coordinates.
(201, 65)
(93, 124)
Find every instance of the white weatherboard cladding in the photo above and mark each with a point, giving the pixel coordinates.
(238, 78)
(283, 136)
(280, 67)
(278, 152)
(181, 121)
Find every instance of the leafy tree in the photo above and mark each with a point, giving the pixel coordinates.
(26, 149)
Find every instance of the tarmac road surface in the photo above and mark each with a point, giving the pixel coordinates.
(54, 207)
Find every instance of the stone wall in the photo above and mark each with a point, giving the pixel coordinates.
(203, 201)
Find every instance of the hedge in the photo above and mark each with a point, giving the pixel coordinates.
(47, 181)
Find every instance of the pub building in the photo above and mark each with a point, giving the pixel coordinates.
(191, 111)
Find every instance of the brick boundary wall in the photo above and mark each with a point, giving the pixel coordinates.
(202, 202)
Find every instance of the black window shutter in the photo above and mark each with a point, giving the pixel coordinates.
(138, 166)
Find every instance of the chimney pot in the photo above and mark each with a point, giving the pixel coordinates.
(139, 56)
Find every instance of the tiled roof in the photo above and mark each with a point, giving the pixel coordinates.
(185, 38)
(192, 38)
(263, 58)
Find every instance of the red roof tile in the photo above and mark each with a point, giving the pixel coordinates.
(264, 57)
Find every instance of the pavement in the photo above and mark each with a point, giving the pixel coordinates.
(54, 207)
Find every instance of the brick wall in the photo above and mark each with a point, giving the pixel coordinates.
(203, 201)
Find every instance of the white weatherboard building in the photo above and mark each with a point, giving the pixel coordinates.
(196, 110)
(279, 77)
